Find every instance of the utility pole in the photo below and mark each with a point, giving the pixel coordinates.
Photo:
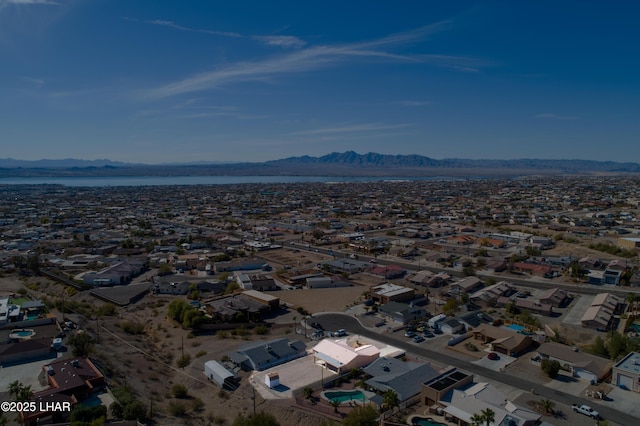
(253, 398)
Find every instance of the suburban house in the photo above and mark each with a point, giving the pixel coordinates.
(240, 265)
(245, 306)
(532, 268)
(119, 273)
(464, 403)
(402, 313)
(324, 281)
(257, 282)
(541, 242)
(405, 378)
(618, 265)
(349, 266)
(25, 351)
(437, 388)
(602, 310)
(474, 319)
(626, 372)
(263, 355)
(70, 380)
(503, 340)
(490, 294)
(555, 297)
(468, 285)
(9, 312)
(529, 305)
(389, 292)
(579, 364)
(427, 278)
(597, 316)
(388, 272)
(340, 357)
(451, 326)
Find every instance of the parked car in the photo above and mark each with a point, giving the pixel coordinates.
(418, 339)
(586, 410)
(340, 333)
(429, 334)
(409, 333)
(493, 356)
(317, 326)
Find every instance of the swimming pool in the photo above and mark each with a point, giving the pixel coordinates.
(425, 421)
(635, 327)
(516, 327)
(21, 333)
(345, 396)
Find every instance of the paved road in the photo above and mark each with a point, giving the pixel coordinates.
(523, 280)
(336, 321)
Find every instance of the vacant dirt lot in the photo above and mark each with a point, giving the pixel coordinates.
(146, 362)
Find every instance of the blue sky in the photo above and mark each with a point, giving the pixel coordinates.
(154, 81)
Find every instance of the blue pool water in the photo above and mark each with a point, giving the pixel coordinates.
(344, 396)
(23, 333)
(516, 327)
(426, 421)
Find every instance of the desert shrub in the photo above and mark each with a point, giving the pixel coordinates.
(177, 409)
(261, 329)
(183, 361)
(550, 368)
(179, 391)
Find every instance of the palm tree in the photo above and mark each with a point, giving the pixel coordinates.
(14, 388)
(308, 392)
(547, 405)
(488, 415)
(24, 394)
(335, 403)
(633, 299)
(477, 420)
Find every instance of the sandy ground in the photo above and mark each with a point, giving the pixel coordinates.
(146, 363)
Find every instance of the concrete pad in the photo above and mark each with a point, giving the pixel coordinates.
(570, 385)
(621, 400)
(294, 375)
(27, 373)
(574, 316)
(495, 364)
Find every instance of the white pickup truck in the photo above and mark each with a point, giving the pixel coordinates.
(586, 410)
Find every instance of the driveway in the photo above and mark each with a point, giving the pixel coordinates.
(625, 401)
(494, 364)
(574, 316)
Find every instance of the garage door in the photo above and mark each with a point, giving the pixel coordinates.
(585, 375)
(626, 381)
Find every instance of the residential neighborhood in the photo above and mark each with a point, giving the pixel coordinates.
(421, 301)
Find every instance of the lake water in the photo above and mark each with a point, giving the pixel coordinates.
(102, 181)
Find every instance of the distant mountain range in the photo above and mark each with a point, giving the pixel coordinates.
(335, 164)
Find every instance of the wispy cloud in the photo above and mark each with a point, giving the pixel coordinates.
(281, 41)
(368, 127)
(303, 60)
(171, 24)
(191, 109)
(27, 2)
(552, 116)
(36, 83)
(8, 5)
